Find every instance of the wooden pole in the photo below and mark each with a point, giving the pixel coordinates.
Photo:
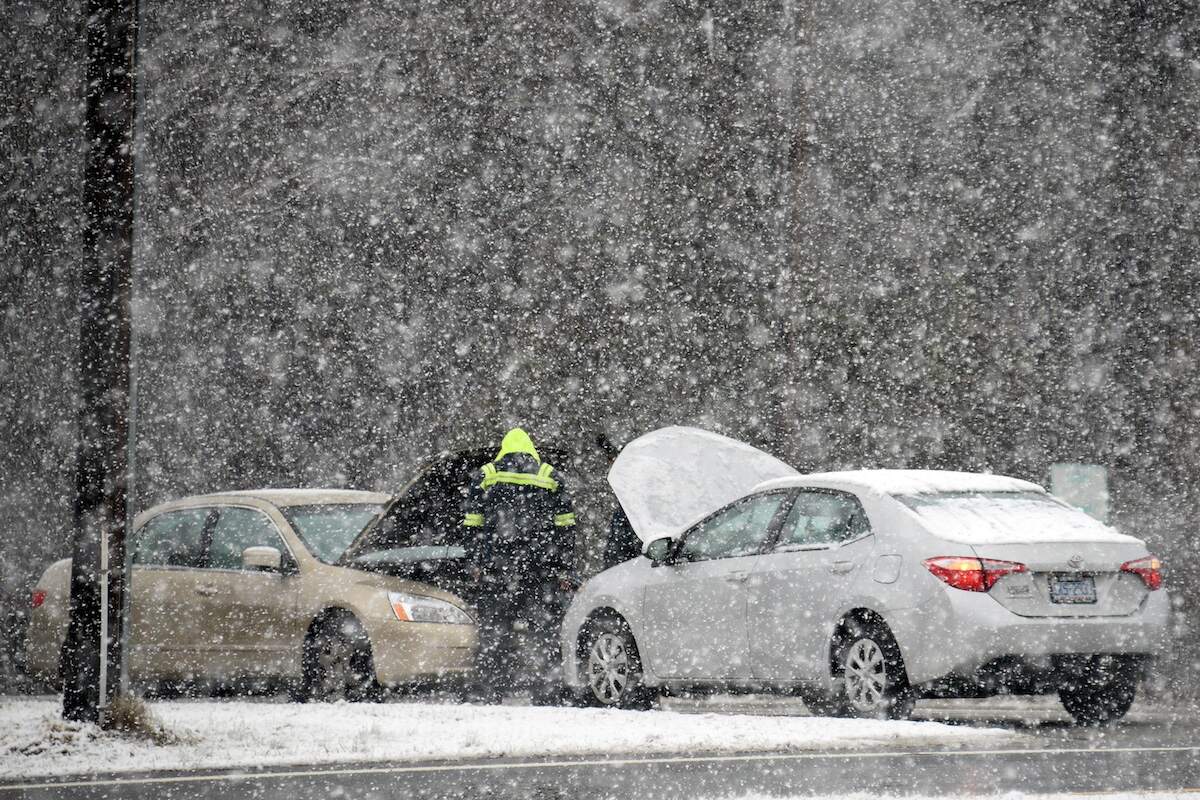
(92, 654)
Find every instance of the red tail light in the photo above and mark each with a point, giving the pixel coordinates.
(39, 597)
(971, 574)
(1149, 569)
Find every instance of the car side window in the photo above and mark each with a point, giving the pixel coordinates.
(739, 530)
(822, 518)
(174, 539)
(237, 529)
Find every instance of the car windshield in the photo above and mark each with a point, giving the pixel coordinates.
(327, 530)
(999, 517)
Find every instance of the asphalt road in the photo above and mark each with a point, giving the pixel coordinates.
(1151, 751)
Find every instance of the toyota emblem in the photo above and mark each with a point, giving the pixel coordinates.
(1075, 561)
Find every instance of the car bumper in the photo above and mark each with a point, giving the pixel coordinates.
(43, 644)
(968, 630)
(41, 660)
(411, 652)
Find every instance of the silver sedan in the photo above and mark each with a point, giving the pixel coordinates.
(860, 591)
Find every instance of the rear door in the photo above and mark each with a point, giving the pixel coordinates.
(801, 583)
(695, 607)
(166, 640)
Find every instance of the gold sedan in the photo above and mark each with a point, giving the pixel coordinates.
(247, 586)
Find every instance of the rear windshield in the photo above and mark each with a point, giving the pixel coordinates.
(327, 530)
(1000, 517)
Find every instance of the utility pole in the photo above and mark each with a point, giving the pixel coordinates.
(92, 653)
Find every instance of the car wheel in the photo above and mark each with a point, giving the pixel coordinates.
(822, 705)
(612, 667)
(1102, 692)
(871, 682)
(338, 665)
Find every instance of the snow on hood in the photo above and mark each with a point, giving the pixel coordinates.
(670, 478)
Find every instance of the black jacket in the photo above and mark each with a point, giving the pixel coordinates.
(523, 519)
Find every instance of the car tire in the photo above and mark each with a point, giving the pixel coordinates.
(338, 664)
(822, 705)
(549, 697)
(1102, 692)
(871, 679)
(611, 667)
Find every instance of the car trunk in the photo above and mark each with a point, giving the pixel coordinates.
(1068, 579)
(1072, 562)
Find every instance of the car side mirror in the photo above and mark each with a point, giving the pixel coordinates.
(262, 559)
(659, 551)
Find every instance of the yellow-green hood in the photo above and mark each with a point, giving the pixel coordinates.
(517, 441)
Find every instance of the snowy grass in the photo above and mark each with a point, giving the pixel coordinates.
(34, 740)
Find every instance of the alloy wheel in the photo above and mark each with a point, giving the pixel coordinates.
(608, 668)
(335, 668)
(866, 677)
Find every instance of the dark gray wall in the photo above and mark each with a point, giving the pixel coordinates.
(879, 233)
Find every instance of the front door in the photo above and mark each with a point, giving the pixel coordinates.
(695, 606)
(799, 586)
(250, 624)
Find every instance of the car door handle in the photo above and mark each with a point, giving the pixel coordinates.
(206, 591)
(841, 567)
(737, 577)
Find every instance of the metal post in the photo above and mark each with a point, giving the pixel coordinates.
(92, 653)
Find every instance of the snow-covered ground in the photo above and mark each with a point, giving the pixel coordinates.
(34, 740)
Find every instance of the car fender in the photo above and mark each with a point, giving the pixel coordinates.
(895, 616)
(362, 595)
(618, 589)
(400, 651)
(48, 623)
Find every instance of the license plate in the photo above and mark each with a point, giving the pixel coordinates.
(1070, 589)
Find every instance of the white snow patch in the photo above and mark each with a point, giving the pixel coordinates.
(1009, 518)
(972, 508)
(34, 740)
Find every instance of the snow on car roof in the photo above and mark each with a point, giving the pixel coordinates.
(980, 509)
(908, 481)
(304, 497)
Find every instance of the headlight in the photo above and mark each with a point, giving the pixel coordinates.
(414, 608)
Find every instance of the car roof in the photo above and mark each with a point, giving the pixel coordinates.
(297, 497)
(906, 481)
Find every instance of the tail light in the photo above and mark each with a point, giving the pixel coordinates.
(39, 597)
(1149, 569)
(971, 574)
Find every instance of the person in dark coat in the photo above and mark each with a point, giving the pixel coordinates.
(522, 558)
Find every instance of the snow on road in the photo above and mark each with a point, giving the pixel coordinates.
(1148, 794)
(34, 740)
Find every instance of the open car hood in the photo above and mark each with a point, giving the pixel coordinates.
(427, 513)
(670, 478)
